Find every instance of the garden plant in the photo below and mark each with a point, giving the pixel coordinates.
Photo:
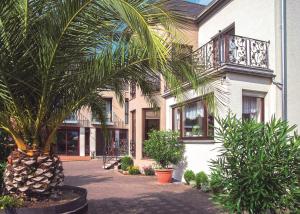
(165, 149)
(134, 170)
(148, 171)
(126, 162)
(201, 180)
(258, 167)
(189, 175)
(58, 56)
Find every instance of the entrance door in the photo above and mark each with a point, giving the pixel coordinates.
(151, 121)
(67, 141)
(100, 143)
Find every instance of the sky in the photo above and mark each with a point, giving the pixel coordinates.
(205, 2)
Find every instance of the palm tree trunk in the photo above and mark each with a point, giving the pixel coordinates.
(33, 176)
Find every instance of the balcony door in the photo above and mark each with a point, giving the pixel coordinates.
(223, 45)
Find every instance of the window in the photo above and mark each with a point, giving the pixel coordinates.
(133, 90)
(253, 108)
(67, 141)
(126, 111)
(108, 112)
(193, 121)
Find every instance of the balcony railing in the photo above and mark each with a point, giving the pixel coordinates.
(232, 49)
(76, 118)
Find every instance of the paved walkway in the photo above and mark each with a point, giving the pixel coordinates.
(109, 192)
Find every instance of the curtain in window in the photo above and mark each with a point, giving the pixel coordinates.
(193, 123)
(252, 108)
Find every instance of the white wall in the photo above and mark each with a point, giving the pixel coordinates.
(293, 61)
(198, 154)
(252, 18)
(82, 141)
(92, 141)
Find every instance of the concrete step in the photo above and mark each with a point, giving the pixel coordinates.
(111, 163)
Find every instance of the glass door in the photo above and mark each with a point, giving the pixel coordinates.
(67, 142)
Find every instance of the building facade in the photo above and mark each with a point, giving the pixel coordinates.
(254, 47)
(243, 41)
(82, 136)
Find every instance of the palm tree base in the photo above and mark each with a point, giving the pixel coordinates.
(33, 176)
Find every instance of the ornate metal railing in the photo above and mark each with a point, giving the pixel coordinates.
(233, 49)
(115, 149)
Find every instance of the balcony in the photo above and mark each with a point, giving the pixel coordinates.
(76, 119)
(239, 52)
(108, 119)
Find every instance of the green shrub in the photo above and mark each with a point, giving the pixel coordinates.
(189, 175)
(134, 170)
(201, 179)
(149, 171)
(216, 181)
(126, 162)
(10, 202)
(258, 166)
(164, 148)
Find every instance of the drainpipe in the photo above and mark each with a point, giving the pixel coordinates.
(283, 59)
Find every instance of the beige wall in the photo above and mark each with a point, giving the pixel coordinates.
(293, 61)
(118, 110)
(188, 35)
(137, 104)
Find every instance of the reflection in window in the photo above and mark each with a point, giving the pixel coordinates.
(193, 120)
(193, 125)
(108, 112)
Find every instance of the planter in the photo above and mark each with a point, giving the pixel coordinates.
(164, 176)
(76, 205)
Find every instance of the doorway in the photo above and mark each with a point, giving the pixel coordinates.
(151, 121)
(67, 141)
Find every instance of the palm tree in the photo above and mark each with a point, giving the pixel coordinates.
(57, 56)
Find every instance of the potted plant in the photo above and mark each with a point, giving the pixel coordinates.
(166, 150)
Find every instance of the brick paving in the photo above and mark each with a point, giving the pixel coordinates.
(112, 192)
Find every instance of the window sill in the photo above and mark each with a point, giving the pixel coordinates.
(198, 141)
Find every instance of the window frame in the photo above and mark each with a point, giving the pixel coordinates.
(205, 121)
(262, 116)
(94, 115)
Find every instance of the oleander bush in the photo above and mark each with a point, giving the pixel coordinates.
(189, 175)
(134, 170)
(258, 166)
(215, 182)
(126, 162)
(201, 180)
(149, 171)
(164, 148)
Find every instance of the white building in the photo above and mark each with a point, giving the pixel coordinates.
(245, 41)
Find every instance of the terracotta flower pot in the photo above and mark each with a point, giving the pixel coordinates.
(164, 176)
